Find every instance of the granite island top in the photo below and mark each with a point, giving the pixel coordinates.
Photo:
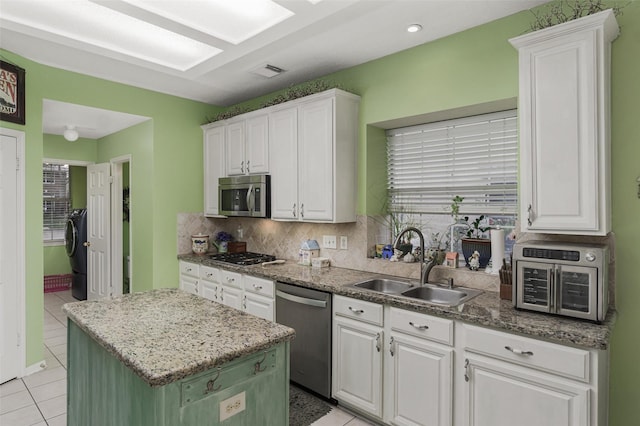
(167, 334)
(486, 309)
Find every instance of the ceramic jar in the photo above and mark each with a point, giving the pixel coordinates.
(200, 244)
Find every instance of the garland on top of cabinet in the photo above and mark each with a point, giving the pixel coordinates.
(294, 92)
(555, 13)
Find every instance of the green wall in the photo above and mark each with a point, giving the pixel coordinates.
(475, 66)
(175, 150)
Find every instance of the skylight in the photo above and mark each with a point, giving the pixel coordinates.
(233, 21)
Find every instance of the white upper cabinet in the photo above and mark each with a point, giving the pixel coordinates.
(313, 158)
(564, 126)
(214, 165)
(247, 146)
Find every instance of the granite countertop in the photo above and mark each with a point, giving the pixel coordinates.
(486, 309)
(168, 334)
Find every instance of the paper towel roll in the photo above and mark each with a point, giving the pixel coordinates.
(497, 249)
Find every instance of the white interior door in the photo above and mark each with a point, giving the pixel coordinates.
(98, 231)
(9, 343)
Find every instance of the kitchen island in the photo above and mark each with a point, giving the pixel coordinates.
(166, 357)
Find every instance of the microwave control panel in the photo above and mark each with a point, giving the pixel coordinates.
(543, 253)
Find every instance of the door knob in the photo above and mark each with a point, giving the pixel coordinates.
(86, 244)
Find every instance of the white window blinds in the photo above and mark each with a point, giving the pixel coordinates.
(56, 200)
(473, 157)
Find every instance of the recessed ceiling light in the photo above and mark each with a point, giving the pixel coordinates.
(414, 28)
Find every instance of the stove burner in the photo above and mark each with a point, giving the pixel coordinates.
(246, 258)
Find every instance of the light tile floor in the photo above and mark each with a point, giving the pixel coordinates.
(41, 398)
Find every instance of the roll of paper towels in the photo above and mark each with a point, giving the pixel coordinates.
(497, 249)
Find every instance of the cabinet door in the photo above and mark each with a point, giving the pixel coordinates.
(316, 171)
(213, 167)
(189, 284)
(420, 375)
(259, 306)
(231, 296)
(564, 136)
(283, 146)
(501, 394)
(357, 364)
(209, 290)
(257, 145)
(234, 149)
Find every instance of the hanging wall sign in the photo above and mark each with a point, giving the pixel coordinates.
(11, 93)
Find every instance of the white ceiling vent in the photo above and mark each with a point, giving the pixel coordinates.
(267, 70)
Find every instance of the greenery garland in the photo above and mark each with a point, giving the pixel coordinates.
(564, 11)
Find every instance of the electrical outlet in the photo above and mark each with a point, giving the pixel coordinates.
(232, 406)
(329, 241)
(343, 242)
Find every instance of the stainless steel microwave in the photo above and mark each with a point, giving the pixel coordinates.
(563, 279)
(247, 196)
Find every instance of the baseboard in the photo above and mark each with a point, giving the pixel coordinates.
(34, 368)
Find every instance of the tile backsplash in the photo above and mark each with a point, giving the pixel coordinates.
(283, 239)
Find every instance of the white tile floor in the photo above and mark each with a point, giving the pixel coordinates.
(41, 398)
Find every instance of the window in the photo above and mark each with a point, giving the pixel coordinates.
(56, 201)
(472, 157)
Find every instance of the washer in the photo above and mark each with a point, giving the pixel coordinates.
(75, 236)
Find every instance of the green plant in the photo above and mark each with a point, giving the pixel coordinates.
(455, 207)
(475, 229)
(563, 11)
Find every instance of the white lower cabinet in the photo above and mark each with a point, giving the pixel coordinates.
(243, 292)
(375, 345)
(501, 394)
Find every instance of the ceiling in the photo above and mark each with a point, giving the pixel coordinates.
(210, 53)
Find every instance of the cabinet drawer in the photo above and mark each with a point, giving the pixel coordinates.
(219, 379)
(232, 279)
(550, 357)
(258, 286)
(425, 326)
(190, 269)
(358, 309)
(210, 274)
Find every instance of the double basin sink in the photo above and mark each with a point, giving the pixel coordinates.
(432, 293)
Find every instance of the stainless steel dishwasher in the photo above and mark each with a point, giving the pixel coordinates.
(308, 312)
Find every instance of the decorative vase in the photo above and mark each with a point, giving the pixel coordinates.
(223, 246)
(200, 244)
(481, 245)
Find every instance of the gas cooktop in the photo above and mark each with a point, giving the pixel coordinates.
(246, 258)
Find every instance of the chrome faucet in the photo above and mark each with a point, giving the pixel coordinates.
(425, 267)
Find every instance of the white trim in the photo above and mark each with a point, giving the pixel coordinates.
(69, 162)
(20, 244)
(34, 368)
(116, 222)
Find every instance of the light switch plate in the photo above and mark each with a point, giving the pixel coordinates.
(329, 241)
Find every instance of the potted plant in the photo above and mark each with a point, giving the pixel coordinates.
(222, 241)
(475, 240)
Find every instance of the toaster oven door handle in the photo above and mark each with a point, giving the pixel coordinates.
(552, 289)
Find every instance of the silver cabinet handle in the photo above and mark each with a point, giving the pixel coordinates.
(466, 370)
(257, 287)
(242, 166)
(248, 167)
(356, 311)
(518, 351)
(196, 284)
(188, 269)
(529, 214)
(378, 342)
(209, 274)
(419, 327)
(293, 211)
(244, 302)
(302, 210)
(391, 347)
(230, 280)
(222, 294)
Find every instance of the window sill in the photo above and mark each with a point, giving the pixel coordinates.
(53, 243)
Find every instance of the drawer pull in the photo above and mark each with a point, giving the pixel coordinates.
(257, 287)
(391, 347)
(356, 311)
(466, 370)
(210, 384)
(419, 327)
(518, 351)
(378, 342)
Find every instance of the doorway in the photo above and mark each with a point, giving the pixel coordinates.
(12, 257)
(122, 225)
